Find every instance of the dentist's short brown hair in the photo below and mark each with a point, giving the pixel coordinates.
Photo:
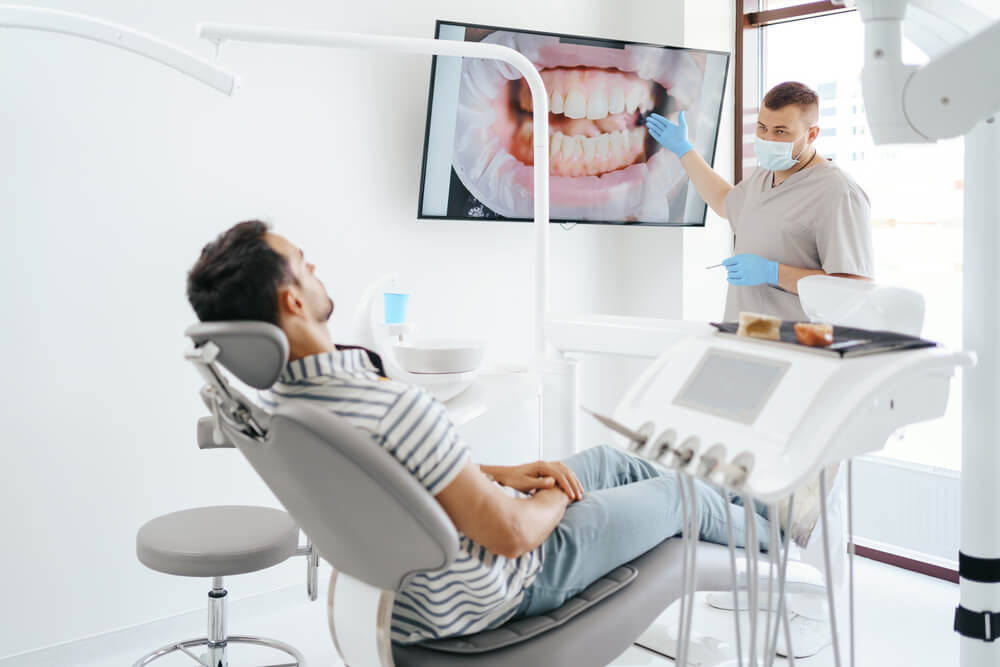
(793, 92)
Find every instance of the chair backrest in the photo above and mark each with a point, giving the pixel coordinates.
(364, 512)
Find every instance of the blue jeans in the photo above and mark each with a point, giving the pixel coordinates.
(629, 506)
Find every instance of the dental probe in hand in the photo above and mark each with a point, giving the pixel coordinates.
(637, 438)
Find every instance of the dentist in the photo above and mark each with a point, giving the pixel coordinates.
(796, 215)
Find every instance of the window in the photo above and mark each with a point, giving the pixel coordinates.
(827, 111)
(916, 190)
(827, 91)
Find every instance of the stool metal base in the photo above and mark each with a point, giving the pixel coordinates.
(184, 647)
(218, 639)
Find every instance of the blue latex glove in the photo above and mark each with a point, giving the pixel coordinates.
(672, 136)
(751, 270)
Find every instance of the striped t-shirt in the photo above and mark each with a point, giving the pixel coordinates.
(480, 590)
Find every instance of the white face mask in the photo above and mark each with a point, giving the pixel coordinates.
(776, 155)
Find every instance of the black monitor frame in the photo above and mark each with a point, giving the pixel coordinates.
(575, 39)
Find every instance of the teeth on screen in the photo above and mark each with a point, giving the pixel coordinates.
(556, 103)
(616, 103)
(592, 95)
(604, 146)
(555, 145)
(634, 99)
(597, 105)
(617, 142)
(576, 105)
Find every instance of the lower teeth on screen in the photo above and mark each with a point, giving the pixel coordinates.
(576, 155)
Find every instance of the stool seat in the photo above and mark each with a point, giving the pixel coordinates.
(217, 541)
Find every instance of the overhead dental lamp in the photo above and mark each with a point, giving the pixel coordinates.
(122, 37)
(954, 94)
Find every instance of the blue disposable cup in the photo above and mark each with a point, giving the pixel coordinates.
(395, 308)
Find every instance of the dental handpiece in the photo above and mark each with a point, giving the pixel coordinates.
(635, 437)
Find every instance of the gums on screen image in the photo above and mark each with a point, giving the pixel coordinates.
(604, 167)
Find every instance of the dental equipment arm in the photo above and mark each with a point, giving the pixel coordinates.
(114, 34)
(949, 97)
(945, 98)
(633, 436)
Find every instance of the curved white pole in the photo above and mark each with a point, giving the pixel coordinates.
(114, 34)
(220, 33)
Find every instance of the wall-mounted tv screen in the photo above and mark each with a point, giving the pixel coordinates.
(604, 166)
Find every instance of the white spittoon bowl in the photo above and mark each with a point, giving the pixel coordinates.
(440, 355)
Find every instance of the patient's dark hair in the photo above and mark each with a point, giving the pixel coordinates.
(237, 276)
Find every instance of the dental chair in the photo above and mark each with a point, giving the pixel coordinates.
(377, 526)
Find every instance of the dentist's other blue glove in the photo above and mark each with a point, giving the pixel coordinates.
(672, 136)
(751, 270)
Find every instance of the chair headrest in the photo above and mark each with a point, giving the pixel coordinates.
(255, 352)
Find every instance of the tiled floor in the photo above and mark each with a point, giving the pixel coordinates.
(902, 619)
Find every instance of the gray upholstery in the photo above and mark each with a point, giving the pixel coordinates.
(205, 435)
(364, 512)
(255, 352)
(217, 541)
(602, 632)
(373, 521)
(526, 628)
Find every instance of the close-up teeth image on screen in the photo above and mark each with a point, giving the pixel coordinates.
(604, 167)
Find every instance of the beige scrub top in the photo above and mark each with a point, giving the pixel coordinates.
(818, 218)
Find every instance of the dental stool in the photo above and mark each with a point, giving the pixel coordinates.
(377, 526)
(216, 542)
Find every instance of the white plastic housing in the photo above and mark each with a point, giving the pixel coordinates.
(440, 355)
(822, 410)
(862, 304)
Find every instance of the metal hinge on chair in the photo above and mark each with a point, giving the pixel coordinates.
(312, 569)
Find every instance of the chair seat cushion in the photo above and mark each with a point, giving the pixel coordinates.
(597, 634)
(217, 541)
(526, 628)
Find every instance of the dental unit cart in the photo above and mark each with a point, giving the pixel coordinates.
(764, 417)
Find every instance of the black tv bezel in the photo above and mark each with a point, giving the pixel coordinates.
(613, 43)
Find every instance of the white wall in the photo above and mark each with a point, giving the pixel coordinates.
(117, 170)
(708, 24)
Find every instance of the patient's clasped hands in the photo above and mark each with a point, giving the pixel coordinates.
(536, 476)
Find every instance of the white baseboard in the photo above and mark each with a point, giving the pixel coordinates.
(151, 635)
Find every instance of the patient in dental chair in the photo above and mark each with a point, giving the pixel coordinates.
(531, 536)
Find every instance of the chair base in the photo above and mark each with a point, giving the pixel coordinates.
(185, 646)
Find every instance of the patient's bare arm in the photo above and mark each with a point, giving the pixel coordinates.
(506, 526)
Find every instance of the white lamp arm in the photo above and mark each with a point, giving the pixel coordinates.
(945, 98)
(114, 34)
(220, 33)
(953, 92)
